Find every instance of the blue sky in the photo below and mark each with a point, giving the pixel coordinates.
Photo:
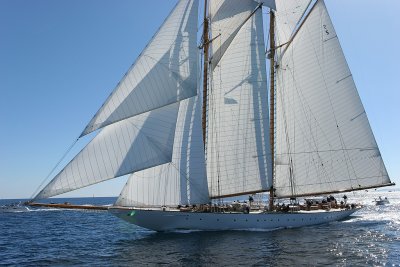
(59, 60)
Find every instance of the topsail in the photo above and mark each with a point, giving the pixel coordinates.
(288, 17)
(165, 72)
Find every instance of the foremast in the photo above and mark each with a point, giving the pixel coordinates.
(271, 56)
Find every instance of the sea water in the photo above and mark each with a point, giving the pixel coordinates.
(41, 237)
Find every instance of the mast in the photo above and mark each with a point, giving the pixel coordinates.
(205, 69)
(272, 101)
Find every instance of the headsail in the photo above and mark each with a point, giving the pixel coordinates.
(238, 151)
(182, 181)
(141, 113)
(130, 145)
(324, 141)
(165, 72)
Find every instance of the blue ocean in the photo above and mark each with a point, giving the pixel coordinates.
(52, 237)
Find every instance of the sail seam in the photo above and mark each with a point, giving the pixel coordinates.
(330, 150)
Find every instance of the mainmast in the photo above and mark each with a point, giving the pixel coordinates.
(205, 69)
(271, 56)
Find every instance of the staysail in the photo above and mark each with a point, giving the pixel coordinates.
(238, 153)
(324, 142)
(127, 146)
(183, 180)
(165, 72)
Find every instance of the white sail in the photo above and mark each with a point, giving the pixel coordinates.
(165, 72)
(238, 152)
(130, 145)
(324, 142)
(182, 181)
(227, 18)
(288, 16)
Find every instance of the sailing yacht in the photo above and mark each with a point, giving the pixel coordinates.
(193, 125)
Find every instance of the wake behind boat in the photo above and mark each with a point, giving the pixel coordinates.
(381, 201)
(192, 136)
(14, 207)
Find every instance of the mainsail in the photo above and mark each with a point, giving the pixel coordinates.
(238, 151)
(181, 181)
(324, 142)
(165, 72)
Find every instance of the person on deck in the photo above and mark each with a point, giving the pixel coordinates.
(251, 200)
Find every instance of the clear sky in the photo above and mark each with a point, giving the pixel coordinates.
(59, 60)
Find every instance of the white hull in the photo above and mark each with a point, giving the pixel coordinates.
(175, 220)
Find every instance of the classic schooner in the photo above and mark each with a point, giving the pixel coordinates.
(195, 124)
